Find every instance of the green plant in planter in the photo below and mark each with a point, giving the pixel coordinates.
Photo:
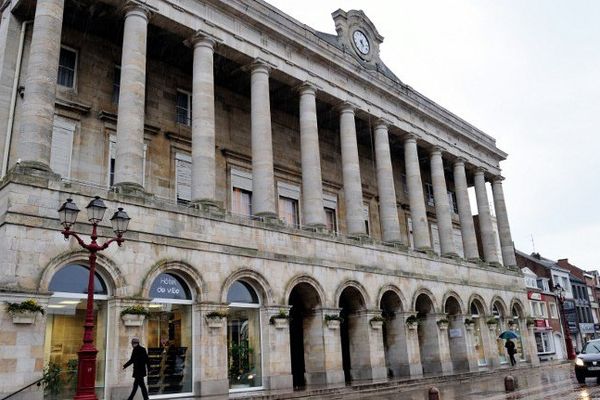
(443, 321)
(135, 310)
(469, 321)
(412, 320)
(492, 321)
(377, 318)
(530, 321)
(72, 366)
(333, 317)
(281, 315)
(25, 306)
(216, 314)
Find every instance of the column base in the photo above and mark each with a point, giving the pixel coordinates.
(269, 218)
(475, 260)
(495, 264)
(375, 374)
(130, 189)
(319, 228)
(451, 255)
(35, 165)
(208, 205)
(30, 172)
(329, 378)
(396, 244)
(213, 387)
(278, 382)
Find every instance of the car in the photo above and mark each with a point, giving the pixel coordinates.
(587, 363)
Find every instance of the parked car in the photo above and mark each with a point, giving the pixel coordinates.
(587, 362)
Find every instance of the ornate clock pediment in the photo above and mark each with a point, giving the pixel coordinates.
(357, 33)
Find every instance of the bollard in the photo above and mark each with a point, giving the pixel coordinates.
(509, 384)
(434, 394)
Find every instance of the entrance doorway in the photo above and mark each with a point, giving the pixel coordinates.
(351, 302)
(306, 334)
(394, 336)
(456, 335)
(428, 335)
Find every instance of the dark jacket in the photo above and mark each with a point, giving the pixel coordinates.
(139, 359)
(510, 347)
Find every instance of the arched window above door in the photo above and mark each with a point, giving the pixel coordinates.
(73, 278)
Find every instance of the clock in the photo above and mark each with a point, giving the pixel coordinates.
(361, 42)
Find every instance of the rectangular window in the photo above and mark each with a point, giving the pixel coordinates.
(435, 238)
(116, 84)
(288, 211)
(543, 342)
(183, 177)
(241, 192)
(409, 227)
(62, 146)
(429, 194)
(366, 217)
(404, 184)
(458, 242)
(330, 219)
(553, 311)
(67, 64)
(184, 108)
(452, 201)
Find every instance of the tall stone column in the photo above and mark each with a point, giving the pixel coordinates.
(385, 185)
(312, 188)
(415, 195)
(203, 122)
(467, 226)
(442, 205)
(129, 160)
(351, 172)
(263, 179)
(33, 147)
(485, 219)
(508, 250)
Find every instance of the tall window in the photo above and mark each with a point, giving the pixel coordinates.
(184, 107)
(61, 149)
(112, 155)
(183, 177)
(543, 341)
(404, 184)
(288, 211)
(330, 219)
(241, 192)
(452, 201)
(366, 217)
(67, 64)
(116, 84)
(243, 337)
(553, 311)
(429, 194)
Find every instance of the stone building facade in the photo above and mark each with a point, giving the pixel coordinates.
(268, 169)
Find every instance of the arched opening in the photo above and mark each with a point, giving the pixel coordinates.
(394, 336)
(306, 344)
(352, 332)
(499, 314)
(456, 335)
(477, 314)
(243, 337)
(66, 317)
(169, 335)
(515, 325)
(428, 335)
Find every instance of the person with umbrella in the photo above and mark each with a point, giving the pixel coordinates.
(511, 349)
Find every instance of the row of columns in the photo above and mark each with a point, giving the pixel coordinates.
(38, 111)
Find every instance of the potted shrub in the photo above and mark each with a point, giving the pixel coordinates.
(492, 322)
(412, 322)
(530, 322)
(24, 312)
(134, 315)
(214, 319)
(280, 320)
(443, 323)
(469, 323)
(377, 322)
(333, 321)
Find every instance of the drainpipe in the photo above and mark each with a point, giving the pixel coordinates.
(13, 99)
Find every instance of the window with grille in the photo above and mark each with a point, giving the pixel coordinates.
(66, 67)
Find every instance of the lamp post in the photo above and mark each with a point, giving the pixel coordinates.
(560, 294)
(86, 369)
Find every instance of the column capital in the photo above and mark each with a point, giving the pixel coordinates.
(480, 171)
(411, 137)
(202, 39)
(259, 65)
(497, 179)
(459, 161)
(382, 123)
(436, 149)
(307, 87)
(134, 7)
(346, 107)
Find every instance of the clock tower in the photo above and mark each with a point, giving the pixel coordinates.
(357, 33)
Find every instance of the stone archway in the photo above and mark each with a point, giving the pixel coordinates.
(477, 318)
(355, 351)
(394, 335)
(457, 335)
(429, 345)
(306, 335)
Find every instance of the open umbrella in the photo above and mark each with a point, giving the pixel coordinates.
(508, 335)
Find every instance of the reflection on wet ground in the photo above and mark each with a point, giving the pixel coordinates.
(546, 383)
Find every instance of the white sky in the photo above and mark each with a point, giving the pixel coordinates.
(525, 72)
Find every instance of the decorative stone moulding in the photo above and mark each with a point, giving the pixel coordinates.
(376, 324)
(25, 317)
(280, 323)
(333, 324)
(133, 319)
(214, 322)
(443, 325)
(412, 325)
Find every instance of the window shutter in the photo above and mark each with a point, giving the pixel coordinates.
(183, 177)
(62, 146)
(458, 242)
(435, 238)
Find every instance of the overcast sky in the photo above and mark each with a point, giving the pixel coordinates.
(525, 72)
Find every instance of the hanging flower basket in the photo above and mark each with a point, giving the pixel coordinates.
(333, 321)
(492, 323)
(377, 322)
(25, 312)
(280, 321)
(215, 319)
(443, 324)
(412, 322)
(134, 315)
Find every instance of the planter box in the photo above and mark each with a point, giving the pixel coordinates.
(214, 322)
(333, 324)
(280, 323)
(133, 319)
(412, 326)
(442, 325)
(469, 327)
(26, 317)
(376, 324)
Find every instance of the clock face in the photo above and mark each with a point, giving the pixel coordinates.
(361, 42)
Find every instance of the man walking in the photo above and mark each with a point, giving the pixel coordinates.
(511, 350)
(139, 359)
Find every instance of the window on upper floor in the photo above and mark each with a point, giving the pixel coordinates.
(241, 192)
(531, 282)
(184, 107)
(116, 84)
(112, 155)
(288, 211)
(61, 147)
(67, 67)
(429, 194)
(404, 184)
(452, 201)
(330, 208)
(366, 217)
(183, 177)
(553, 311)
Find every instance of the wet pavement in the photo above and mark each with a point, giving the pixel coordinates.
(547, 383)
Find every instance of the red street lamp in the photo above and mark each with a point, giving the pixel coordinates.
(560, 294)
(86, 369)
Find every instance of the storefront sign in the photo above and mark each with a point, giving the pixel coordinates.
(540, 323)
(534, 296)
(570, 315)
(586, 327)
(454, 333)
(167, 286)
